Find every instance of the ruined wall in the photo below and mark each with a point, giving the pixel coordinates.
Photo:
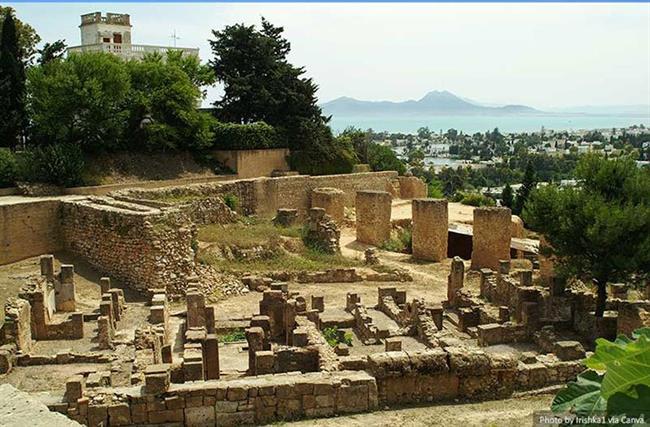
(254, 163)
(373, 209)
(143, 247)
(29, 229)
(255, 400)
(264, 196)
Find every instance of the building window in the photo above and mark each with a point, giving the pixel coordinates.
(117, 38)
(106, 40)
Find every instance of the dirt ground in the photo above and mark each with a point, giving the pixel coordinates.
(516, 412)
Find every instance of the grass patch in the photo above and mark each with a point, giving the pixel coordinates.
(236, 335)
(246, 234)
(307, 260)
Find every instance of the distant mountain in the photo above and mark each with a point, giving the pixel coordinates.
(433, 103)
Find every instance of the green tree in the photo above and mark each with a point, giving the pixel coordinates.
(51, 51)
(507, 196)
(80, 100)
(27, 36)
(382, 158)
(599, 231)
(261, 85)
(200, 75)
(424, 133)
(360, 140)
(162, 104)
(527, 186)
(12, 85)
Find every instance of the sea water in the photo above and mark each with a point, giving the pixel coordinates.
(481, 123)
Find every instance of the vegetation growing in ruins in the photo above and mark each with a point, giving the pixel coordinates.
(616, 385)
(231, 201)
(401, 240)
(334, 336)
(233, 336)
(248, 233)
(599, 231)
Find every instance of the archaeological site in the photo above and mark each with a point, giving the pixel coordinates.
(281, 298)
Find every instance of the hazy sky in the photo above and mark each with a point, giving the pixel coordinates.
(543, 55)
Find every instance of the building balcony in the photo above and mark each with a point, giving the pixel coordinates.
(130, 51)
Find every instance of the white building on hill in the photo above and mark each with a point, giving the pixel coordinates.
(112, 33)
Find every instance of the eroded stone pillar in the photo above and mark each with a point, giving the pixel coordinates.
(64, 293)
(373, 217)
(47, 266)
(195, 310)
(104, 284)
(455, 279)
(430, 229)
(491, 237)
(211, 357)
(332, 200)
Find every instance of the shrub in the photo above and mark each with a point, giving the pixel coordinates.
(477, 199)
(8, 168)
(617, 385)
(400, 241)
(231, 201)
(382, 158)
(253, 136)
(434, 189)
(59, 164)
(334, 336)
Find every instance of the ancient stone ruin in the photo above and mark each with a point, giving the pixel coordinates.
(139, 329)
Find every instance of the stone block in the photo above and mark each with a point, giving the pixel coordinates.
(373, 210)
(393, 344)
(201, 416)
(491, 237)
(430, 229)
(569, 350)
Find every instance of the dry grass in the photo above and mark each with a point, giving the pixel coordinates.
(246, 234)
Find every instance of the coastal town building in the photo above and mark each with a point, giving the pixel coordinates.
(112, 33)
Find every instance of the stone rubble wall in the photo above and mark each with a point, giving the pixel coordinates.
(145, 248)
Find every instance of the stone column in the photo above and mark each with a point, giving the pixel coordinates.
(104, 284)
(318, 303)
(64, 293)
(546, 264)
(373, 217)
(47, 266)
(195, 310)
(491, 237)
(430, 229)
(455, 280)
(211, 357)
(332, 200)
(255, 338)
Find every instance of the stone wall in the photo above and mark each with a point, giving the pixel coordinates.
(254, 163)
(256, 400)
(146, 248)
(264, 196)
(373, 209)
(28, 229)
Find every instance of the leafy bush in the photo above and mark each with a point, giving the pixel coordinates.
(58, 164)
(8, 168)
(253, 136)
(334, 336)
(400, 241)
(382, 158)
(477, 199)
(434, 189)
(618, 383)
(231, 201)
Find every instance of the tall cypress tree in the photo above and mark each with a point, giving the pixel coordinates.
(12, 85)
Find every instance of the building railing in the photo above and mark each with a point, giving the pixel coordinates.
(130, 51)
